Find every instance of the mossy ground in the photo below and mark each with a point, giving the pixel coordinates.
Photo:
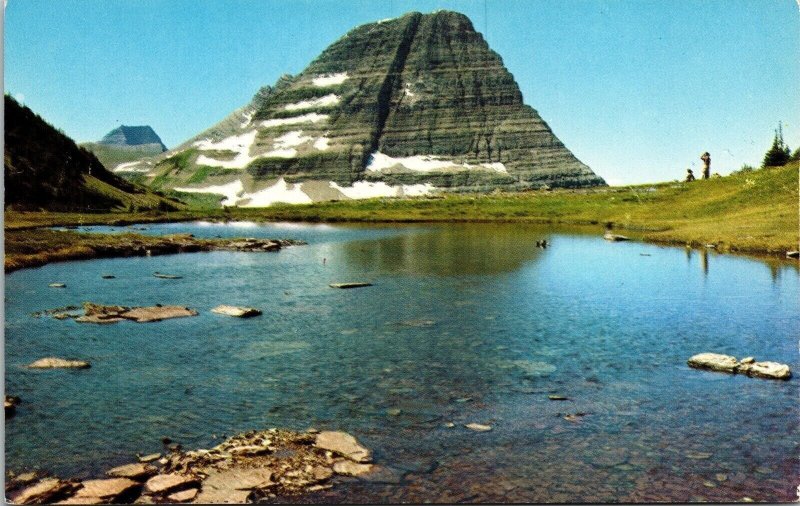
(751, 212)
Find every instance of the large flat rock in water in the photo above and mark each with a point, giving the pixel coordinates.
(237, 311)
(748, 366)
(714, 362)
(349, 285)
(98, 313)
(58, 363)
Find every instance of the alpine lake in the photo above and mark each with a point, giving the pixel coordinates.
(467, 323)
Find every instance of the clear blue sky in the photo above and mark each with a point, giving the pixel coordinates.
(637, 89)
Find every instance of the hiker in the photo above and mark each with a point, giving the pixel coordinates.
(706, 164)
(689, 175)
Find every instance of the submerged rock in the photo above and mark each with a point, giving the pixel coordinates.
(349, 285)
(239, 312)
(343, 444)
(58, 363)
(748, 366)
(166, 276)
(98, 313)
(11, 405)
(478, 427)
(152, 457)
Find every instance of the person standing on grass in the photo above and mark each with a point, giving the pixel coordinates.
(706, 164)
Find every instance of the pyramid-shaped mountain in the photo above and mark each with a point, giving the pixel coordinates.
(133, 136)
(125, 146)
(399, 107)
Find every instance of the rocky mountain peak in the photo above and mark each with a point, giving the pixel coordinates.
(404, 106)
(132, 136)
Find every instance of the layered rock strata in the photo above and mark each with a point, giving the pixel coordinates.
(402, 107)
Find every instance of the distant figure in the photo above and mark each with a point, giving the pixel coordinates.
(689, 175)
(706, 164)
(324, 260)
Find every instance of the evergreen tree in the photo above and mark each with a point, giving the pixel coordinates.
(779, 153)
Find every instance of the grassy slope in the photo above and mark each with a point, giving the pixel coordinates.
(111, 156)
(749, 212)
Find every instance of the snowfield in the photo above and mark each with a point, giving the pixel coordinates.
(311, 117)
(425, 163)
(239, 144)
(321, 144)
(330, 79)
(368, 189)
(136, 166)
(326, 101)
(279, 192)
(291, 139)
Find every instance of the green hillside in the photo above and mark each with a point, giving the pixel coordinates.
(46, 170)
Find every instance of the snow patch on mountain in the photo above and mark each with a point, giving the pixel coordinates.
(311, 117)
(425, 163)
(281, 192)
(330, 79)
(326, 101)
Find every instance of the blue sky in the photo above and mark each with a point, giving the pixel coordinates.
(637, 89)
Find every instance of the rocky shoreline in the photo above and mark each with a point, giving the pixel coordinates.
(243, 469)
(38, 252)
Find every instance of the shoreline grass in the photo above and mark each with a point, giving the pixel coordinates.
(751, 212)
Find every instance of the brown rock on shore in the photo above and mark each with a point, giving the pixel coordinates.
(111, 489)
(48, 490)
(244, 468)
(168, 483)
(136, 471)
(343, 444)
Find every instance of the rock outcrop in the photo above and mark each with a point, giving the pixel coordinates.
(245, 468)
(98, 313)
(401, 107)
(748, 366)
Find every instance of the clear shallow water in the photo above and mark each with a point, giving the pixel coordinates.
(465, 323)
